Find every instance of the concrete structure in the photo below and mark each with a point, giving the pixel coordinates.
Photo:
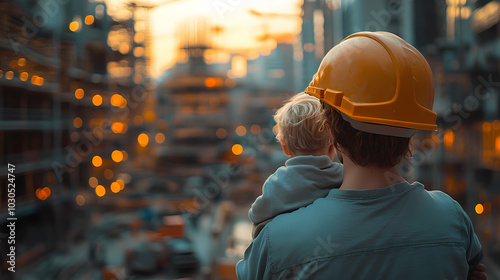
(56, 116)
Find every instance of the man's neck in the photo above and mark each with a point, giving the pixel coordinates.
(368, 177)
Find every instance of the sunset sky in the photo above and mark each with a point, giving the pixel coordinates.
(240, 28)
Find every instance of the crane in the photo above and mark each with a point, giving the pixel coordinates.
(147, 7)
(265, 26)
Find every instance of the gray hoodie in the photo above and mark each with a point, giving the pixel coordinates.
(299, 183)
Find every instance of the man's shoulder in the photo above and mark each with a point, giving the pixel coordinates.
(442, 201)
(303, 226)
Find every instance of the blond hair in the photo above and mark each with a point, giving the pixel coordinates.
(302, 124)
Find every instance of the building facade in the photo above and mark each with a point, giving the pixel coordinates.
(60, 123)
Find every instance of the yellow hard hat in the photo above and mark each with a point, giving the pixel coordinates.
(379, 83)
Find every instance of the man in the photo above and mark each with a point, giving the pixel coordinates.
(378, 91)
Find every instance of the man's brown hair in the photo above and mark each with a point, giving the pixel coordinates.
(365, 148)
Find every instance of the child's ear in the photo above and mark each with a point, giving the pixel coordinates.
(332, 151)
(285, 149)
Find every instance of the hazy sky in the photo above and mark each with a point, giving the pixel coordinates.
(240, 28)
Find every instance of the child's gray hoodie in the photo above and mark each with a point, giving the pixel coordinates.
(299, 183)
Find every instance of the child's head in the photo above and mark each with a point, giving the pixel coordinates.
(303, 127)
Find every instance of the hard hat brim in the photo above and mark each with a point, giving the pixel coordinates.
(380, 128)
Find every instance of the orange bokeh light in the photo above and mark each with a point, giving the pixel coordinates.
(143, 140)
(97, 100)
(117, 156)
(97, 161)
(79, 93)
(241, 130)
(100, 190)
(237, 149)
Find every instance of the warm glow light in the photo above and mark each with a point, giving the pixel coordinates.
(449, 138)
(97, 100)
(221, 133)
(497, 146)
(143, 140)
(124, 48)
(117, 127)
(465, 12)
(485, 16)
(80, 200)
(93, 182)
(479, 209)
(79, 93)
(74, 25)
(39, 81)
(117, 100)
(123, 103)
(39, 195)
(121, 183)
(47, 191)
(97, 161)
(108, 174)
(237, 149)
(42, 193)
(159, 138)
(210, 82)
(275, 130)
(139, 37)
(9, 75)
(33, 79)
(486, 127)
(308, 47)
(24, 76)
(117, 156)
(239, 66)
(100, 191)
(255, 129)
(89, 19)
(138, 51)
(115, 187)
(21, 62)
(125, 155)
(77, 122)
(149, 116)
(241, 130)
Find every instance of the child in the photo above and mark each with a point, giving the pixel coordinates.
(310, 173)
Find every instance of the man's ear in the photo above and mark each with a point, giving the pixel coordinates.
(285, 149)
